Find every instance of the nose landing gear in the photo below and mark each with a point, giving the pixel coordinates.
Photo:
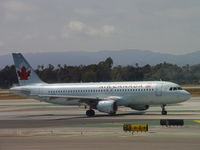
(164, 112)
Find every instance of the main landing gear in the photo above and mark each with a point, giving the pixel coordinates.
(90, 113)
(164, 112)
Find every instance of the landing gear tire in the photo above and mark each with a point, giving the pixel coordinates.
(164, 112)
(90, 113)
(112, 114)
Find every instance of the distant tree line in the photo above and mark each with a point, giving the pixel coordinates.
(104, 71)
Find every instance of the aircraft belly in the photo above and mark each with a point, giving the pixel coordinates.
(63, 101)
(59, 101)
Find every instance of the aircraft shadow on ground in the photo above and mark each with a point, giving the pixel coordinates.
(53, 115)
(81, 115)
(103, 116)
(82, 119)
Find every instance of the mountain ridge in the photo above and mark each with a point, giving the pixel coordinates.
(120, 57)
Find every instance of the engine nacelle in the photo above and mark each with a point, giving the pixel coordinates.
(107, 106)
(139, 107)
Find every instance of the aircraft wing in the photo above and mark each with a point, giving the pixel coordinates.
(82, 99)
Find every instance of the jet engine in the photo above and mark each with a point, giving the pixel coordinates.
(139, 107)
(107, 106)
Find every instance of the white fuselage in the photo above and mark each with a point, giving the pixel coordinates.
(103, 96)
(124, 93)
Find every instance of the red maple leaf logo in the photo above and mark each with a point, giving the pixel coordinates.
(23, 73)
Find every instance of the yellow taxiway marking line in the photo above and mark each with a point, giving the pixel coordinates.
(198, 121)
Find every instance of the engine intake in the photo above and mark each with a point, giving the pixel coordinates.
(107, 106)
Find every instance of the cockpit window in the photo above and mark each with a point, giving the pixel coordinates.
(175, 88)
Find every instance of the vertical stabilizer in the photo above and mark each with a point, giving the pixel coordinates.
(25, 73)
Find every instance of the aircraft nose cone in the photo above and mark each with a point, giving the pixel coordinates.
(186, 95)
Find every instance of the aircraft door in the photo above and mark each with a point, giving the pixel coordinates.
(158, 91)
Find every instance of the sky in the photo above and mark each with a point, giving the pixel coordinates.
(166, 26)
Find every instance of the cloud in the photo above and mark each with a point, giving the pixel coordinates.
(16, 6)
(180, 13)
(85, 11)
(43, 25)
(1, 44)
(52, 37)
(14, 9)
(105, 30)
(77, 27)
(108, 29)
(31, 36)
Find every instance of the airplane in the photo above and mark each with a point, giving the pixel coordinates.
(102, 96)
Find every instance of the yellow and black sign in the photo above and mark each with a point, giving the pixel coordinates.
(136, 127)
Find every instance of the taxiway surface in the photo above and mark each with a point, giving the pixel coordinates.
(29, 124)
